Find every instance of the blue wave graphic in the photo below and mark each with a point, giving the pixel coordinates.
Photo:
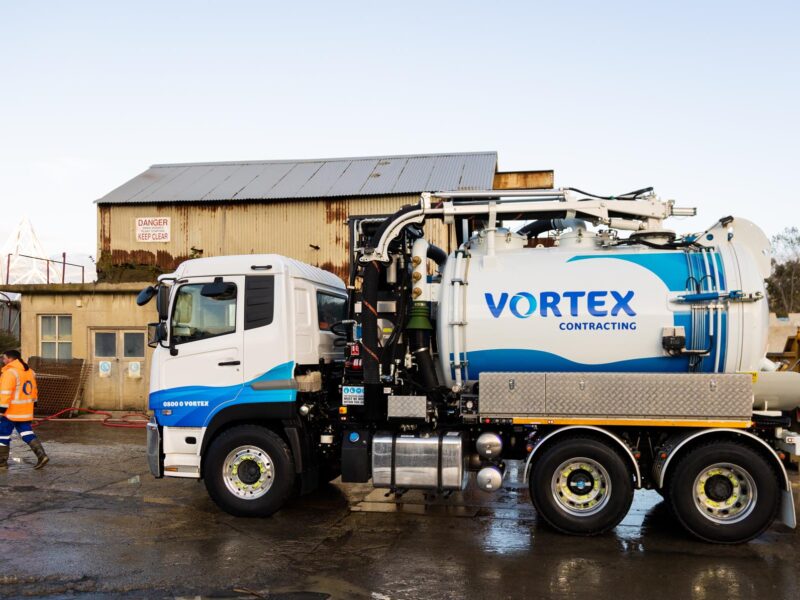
(670, 267)
(508, 360)
(215, 398)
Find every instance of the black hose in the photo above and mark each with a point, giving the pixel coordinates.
(376, 237)
(629, 196)
(437, 255)
(556, 221)
(536, 227)
(421, 349)
(369, 303)
(369, 321)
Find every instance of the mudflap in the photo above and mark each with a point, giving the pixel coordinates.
(788, 513)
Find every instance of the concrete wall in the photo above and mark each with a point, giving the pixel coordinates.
(109, 308)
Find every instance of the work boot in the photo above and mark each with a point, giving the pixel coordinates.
(4, 457)
(38, 450)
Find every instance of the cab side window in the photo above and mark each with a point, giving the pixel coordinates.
(197, 317)
(330, 309)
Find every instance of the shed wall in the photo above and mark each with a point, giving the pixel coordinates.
(293, 228)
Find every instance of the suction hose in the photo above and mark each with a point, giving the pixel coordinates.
(420, 338)
(369, 321)
(419, 325)
(536, 227)
(421, 349)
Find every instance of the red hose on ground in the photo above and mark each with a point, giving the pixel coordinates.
(109, 421)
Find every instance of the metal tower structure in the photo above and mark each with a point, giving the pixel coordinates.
(23, 259)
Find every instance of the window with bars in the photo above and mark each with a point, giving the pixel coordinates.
(55, 336)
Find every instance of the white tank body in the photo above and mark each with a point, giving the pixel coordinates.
(583, 307)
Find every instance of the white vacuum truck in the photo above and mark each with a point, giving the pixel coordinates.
(607, 362)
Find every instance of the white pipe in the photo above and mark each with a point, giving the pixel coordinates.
(767, 365)
(718, 367)
(706, 279)
(462, 313)
(490, 230)
(717, 288)
(779, 390)
(391, 271)
(455, 327)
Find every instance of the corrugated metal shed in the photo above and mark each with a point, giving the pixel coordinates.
(295, 179)
(311, 230)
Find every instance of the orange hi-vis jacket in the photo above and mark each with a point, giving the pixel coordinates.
(18, 392)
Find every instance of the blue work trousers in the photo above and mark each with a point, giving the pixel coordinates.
(23, 428)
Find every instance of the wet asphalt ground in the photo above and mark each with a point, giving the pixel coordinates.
(95, 524)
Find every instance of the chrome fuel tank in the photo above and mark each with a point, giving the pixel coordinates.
(436, 462)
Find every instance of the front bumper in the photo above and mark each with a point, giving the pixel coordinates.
(154, 449)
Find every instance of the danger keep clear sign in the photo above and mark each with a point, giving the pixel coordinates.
(152, 229)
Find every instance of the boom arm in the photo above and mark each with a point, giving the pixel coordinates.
(646, 214)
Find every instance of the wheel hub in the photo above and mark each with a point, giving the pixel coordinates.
(580, 482)
(248, 472)
(581, 487)
(725, 493)
(719, 488)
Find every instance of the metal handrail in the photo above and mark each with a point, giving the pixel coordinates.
(63, 262)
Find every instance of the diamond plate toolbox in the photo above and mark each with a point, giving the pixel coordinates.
(409, 407)
(620, 395)
(651, 395)
(511, 394)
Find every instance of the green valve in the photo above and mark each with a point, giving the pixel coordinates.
(420, 316)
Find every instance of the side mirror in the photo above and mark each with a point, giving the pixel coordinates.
(219, 290)
(146, 295)
(156, 333)
(162, 302)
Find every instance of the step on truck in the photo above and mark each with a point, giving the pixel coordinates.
(572, 332)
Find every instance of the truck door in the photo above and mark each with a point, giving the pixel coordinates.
(268, 324)
(206, 332)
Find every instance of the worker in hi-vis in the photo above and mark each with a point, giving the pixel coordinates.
(18, 392)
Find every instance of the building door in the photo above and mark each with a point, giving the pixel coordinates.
(118, 380)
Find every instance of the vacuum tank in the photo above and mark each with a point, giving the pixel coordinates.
(592, 304)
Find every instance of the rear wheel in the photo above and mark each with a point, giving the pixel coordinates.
(249, 471)
(582, 486)
(724, 492)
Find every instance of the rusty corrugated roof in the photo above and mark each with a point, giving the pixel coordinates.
(321, 178)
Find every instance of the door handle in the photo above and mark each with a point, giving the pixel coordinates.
(229, 363)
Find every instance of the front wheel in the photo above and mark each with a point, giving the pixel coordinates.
(582, 486)
(724, 492)
(249, 471)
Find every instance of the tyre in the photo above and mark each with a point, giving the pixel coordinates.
(724, 492)
(249, 471)
(582, 486)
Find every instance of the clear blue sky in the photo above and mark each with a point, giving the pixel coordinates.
(699, 99)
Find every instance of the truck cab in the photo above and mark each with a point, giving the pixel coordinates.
(243, 350)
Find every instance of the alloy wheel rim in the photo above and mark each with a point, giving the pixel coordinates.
(248, 472)
(581, 487)
(724, 493)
